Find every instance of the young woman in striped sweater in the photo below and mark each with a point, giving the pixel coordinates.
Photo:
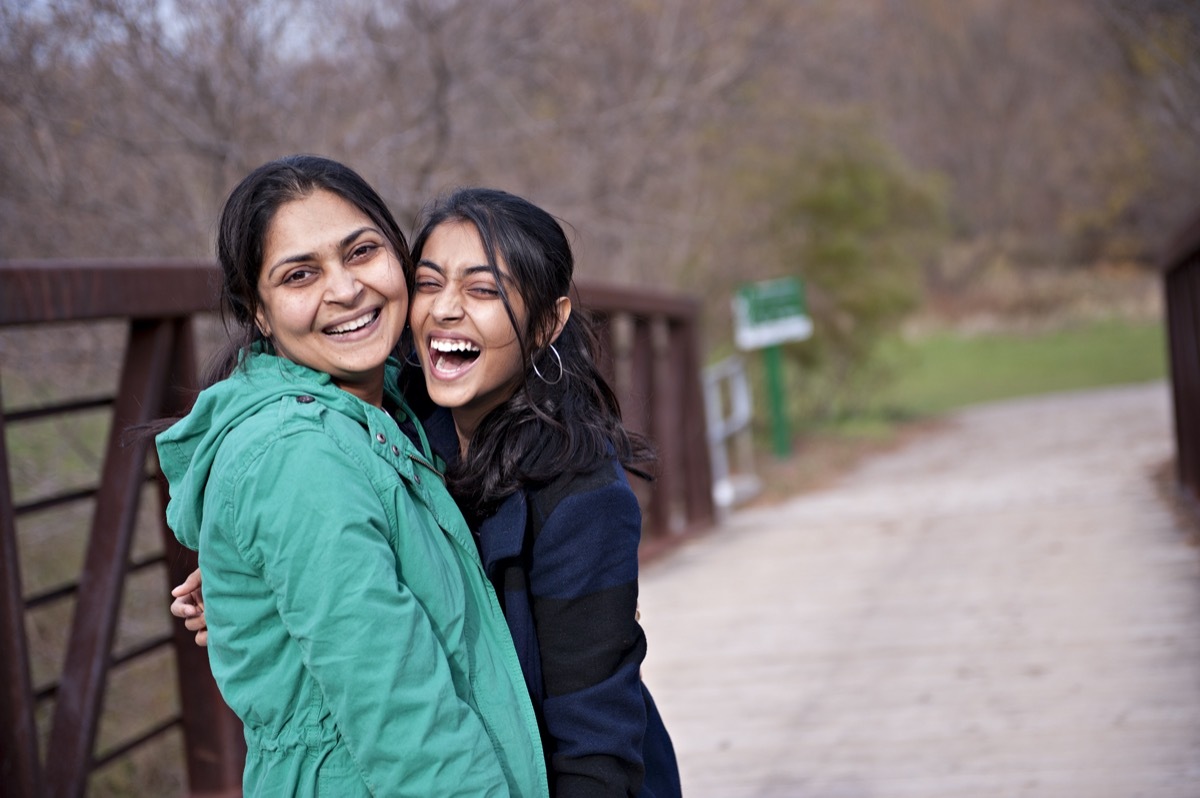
(538, 456)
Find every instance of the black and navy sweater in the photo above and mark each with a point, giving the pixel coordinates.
(564, 561)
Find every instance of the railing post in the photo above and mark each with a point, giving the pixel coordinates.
(1188, 335)
(1180, 346)
(19, 771)
(697, 467)
(1181, 298)
(216, 748)
(667, 425)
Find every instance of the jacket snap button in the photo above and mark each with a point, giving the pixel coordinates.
(417, 477)
(305, 399)
(396, 450)
(379, 437)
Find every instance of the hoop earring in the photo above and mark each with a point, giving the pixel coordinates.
(561, 370)
(408, 354)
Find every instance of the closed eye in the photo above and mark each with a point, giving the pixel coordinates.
(427, 279)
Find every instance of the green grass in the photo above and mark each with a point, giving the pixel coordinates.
(948, 371)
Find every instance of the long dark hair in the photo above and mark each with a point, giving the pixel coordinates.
(246, 219)
(549, 426)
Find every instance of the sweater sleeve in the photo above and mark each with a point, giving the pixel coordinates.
(583, 582)
(319, 531)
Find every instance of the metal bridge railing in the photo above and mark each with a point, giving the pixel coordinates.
(1181, 285)
(49, 740)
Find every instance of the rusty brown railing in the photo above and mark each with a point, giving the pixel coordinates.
(157, 373)
(1181, 285)
(650, 354)
(650, 345)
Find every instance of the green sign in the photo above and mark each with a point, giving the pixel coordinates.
(769, 313)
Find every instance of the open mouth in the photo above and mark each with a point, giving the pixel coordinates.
(451, 356)
(354, 325)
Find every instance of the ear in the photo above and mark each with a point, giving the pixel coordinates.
(562, 307)
(260, 320)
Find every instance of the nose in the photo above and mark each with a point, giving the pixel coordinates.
(341, 285)
(445, 305)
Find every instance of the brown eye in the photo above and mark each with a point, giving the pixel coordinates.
(297, 275)
(362, 251)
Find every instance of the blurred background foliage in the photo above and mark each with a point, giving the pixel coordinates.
(922, 164)
(856, 223)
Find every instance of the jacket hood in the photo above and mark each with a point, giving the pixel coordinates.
(187, 450)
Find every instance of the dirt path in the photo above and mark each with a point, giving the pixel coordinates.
(1006, 607)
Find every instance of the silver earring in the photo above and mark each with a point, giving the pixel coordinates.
(561, 371)
(407, 355)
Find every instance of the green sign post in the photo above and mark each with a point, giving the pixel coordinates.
(767, 314)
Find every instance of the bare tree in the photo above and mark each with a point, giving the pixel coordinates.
(126, 121)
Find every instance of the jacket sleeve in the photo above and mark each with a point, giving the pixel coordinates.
(583, 584)
(319, 531)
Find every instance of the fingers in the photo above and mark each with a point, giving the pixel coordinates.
(186, 606)
(189, 605)
(196, 624)
(189, 585)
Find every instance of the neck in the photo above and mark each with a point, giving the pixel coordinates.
(464, 428)
(370, 391)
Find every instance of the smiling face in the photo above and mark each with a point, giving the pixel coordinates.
(332, 292)
(469, 349)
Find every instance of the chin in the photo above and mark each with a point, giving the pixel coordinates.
(448, 399)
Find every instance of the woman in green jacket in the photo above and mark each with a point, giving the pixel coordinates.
(351, 625)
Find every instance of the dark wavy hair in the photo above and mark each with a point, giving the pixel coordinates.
(246, 218)
(545, 429)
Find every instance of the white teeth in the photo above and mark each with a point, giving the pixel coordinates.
(456, 345)
(357, 324)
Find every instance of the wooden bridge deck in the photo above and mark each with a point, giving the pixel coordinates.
(1006, 607)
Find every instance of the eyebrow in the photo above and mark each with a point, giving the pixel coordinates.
(346, 241)
(467, 271)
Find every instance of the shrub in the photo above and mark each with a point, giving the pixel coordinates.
(849, 217)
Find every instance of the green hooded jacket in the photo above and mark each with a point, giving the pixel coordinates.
(351, 626)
